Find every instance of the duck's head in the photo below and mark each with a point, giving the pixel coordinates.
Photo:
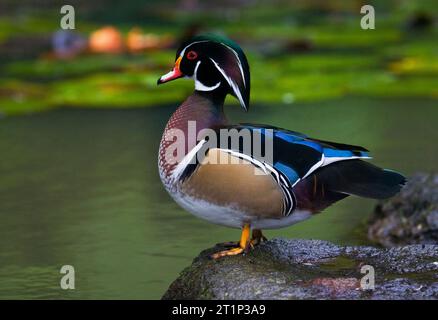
(215, 64)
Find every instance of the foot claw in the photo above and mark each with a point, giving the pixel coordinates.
(231, 252)
(242, 246)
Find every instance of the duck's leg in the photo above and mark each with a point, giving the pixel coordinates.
(243, 244)
(257, 237)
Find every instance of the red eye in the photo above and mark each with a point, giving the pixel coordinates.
(192, 55)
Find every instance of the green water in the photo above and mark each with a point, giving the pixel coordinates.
(81, 187)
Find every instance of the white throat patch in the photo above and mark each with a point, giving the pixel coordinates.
(199, 85)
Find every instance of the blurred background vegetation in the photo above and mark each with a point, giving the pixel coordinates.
(304, 50)
(81, 118)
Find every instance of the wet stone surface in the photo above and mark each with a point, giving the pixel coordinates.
(310, 269)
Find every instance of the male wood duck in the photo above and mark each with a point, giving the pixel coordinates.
(305, 176)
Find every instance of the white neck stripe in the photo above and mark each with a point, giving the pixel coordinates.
(232, 84)
(199, 85)
(238, 62)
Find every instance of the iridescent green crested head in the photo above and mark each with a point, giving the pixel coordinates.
(215, 63)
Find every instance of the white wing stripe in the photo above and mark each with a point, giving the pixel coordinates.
(329, 160)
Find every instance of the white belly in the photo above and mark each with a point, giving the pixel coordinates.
(234, 218)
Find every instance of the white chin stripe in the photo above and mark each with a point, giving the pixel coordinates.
(199, 85)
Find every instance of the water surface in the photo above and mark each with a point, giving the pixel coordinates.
(81, 187)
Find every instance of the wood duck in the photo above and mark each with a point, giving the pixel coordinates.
(243, 190)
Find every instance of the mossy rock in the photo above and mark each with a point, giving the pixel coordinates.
(310, 269)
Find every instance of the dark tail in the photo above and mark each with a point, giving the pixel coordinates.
(360, 178)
